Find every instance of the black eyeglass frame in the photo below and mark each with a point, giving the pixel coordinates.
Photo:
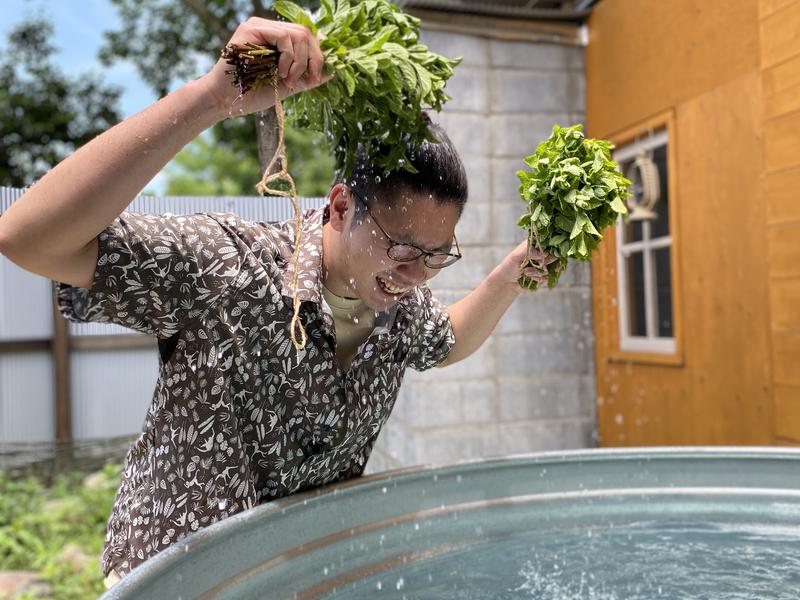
(419, 251)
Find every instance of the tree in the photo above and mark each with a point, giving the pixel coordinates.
(44, 114)
(210, 166)
(172, 41)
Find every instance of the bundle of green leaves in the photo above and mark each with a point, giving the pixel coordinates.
(573, 191)
(383, 80)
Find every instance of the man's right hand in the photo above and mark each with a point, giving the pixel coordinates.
(300, 66)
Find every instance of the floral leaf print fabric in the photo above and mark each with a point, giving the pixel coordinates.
(238, 416)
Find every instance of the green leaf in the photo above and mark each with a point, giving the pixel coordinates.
(618, 206)
(347, 75)
(384, 78)
(573, 184)
(295, 14)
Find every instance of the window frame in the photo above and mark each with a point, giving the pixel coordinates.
(650, 342)
(621, 347)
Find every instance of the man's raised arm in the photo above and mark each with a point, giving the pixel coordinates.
(52, 230)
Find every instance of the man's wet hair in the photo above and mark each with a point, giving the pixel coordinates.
(440, 175)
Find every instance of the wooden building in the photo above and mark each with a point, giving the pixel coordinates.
(697, 309)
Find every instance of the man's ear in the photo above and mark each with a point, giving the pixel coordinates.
(340, 199)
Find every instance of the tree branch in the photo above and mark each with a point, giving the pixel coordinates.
(260, 11)
(201, 10)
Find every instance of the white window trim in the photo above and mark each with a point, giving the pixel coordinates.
(650, 343)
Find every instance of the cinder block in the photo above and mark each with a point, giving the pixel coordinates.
(544, 397)
(529, 354)
(515, 91)
(469, 132)
(473, 50)
(475, 225)
(527, 55)
(505, 183)
(546, 310)
(478, 178)
(577, 274)
(467, 273)
(505, 232)
(539, 436)
(444, 446)
(441, 403)
(517, 135)
(478, 365)
(469, 89)
(396, 442)
(380, 462)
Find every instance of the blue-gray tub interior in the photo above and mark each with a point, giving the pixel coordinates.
(311, 545)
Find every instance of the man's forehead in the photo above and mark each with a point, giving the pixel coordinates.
(424, 223)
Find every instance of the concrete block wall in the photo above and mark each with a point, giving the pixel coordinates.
(531, 385)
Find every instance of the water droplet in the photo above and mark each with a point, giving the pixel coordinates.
(379, 585)
(400, 583)
(223, 504)
(619, 419)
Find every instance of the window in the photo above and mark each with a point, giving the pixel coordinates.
(644, 243)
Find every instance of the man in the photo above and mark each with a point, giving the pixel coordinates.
(239, 416)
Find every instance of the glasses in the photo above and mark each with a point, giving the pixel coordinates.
(403, 252)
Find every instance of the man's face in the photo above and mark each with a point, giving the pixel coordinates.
(421, 221)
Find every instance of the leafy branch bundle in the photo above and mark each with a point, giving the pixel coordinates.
(573, 191)
(383, 77)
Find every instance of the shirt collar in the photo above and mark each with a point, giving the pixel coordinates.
(310, 274)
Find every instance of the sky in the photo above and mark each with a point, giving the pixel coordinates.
(79, 27)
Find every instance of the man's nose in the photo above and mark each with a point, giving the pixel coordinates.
(414, 271)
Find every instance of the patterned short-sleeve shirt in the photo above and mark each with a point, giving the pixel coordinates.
(239, 417)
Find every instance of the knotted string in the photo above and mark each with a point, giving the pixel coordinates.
(296, 327)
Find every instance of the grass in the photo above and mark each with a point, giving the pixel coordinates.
(41, 525)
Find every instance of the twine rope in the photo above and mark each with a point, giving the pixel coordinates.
(296, 330)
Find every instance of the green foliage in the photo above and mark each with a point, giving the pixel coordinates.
(383, 77)
(224, 162)
(44, 114)
(37, 523)
(208, 167)
(164, 38)
(573, 192)
(167, 42)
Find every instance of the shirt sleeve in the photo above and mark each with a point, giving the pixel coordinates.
(435, 337)
(155, 273)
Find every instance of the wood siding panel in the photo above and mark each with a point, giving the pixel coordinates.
(726, 287)
(784, 251)
(781, 149)
(782, 190)
(646, 57)
(786, 358)
(785, 296)
(787, 413)
(770, 6)
(722, 394)
(781, 86)
(779, 35)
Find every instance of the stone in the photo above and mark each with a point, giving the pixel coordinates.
(13, 584)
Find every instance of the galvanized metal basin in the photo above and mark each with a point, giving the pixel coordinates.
(549, 525)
